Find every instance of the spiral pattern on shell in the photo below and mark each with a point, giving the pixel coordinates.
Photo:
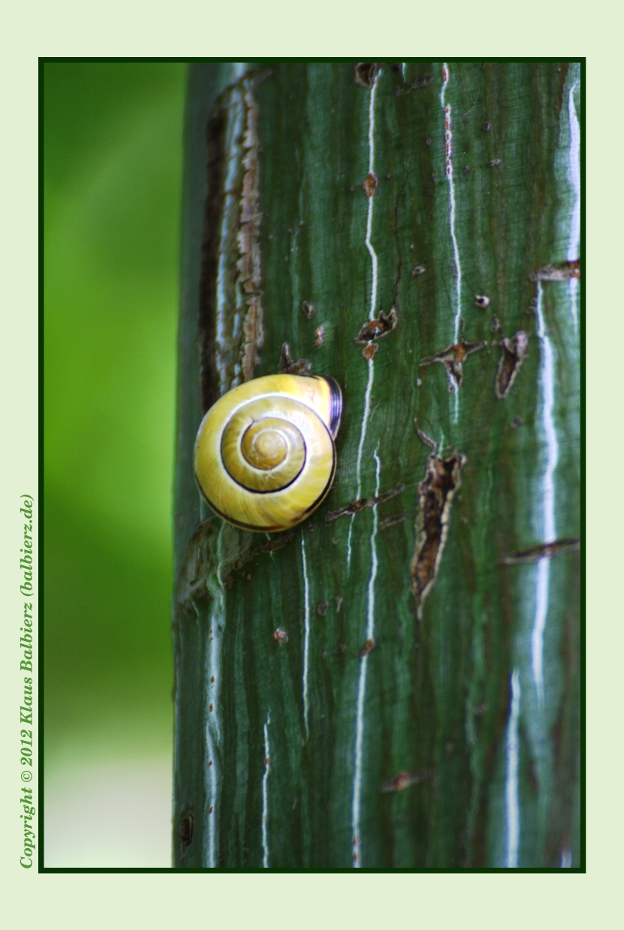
(265, 455)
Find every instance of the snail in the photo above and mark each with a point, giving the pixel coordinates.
(265, 455)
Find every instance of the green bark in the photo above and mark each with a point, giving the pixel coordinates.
(454, 742)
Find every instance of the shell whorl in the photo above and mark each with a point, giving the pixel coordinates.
(264, 454)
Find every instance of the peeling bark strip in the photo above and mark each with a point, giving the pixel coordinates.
(231, 318)
(273, 545)
(364, 502)
(435, 496)
(515, 350)
(198, 563)
(392, 521)
(562, 271)
(290, 366)
(249, 264)
(545, 551)
(376, 328)
(453, 360)
(216, 132)
(204, 558)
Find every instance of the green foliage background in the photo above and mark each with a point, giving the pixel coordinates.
(112, 160)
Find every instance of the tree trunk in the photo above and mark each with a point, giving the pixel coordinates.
(419, 705)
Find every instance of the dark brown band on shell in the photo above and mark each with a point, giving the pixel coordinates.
(335, 410)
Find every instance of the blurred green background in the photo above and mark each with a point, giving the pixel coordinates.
(112, 135)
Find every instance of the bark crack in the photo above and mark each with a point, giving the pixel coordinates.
(435, 497)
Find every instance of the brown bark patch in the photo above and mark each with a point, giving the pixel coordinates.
(363, 503)
(292, 366)
(435, 496)
(377, 328)
(231, 329)
(453, 359)
(544, 551)
(515, 350)
(371, 183)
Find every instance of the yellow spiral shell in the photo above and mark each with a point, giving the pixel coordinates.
(265, 455)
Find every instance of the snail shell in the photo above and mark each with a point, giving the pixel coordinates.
(265, 455)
